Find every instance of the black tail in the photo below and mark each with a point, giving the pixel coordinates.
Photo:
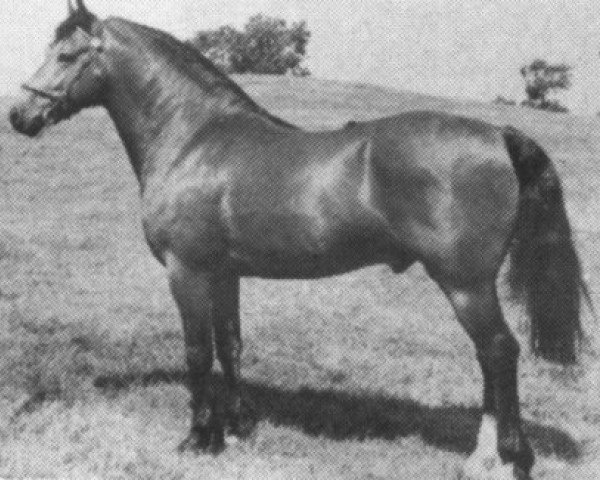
(544, 266)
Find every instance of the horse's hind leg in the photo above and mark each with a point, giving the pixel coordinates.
(192, 292)
(502, 449)
(226, 320)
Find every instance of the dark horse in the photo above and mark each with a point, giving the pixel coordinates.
(229, 190)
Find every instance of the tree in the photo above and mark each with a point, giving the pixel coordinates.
(219, 45)
(266, 45)
(542, 78)
(501, 100)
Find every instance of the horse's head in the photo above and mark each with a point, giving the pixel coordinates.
(71, 78)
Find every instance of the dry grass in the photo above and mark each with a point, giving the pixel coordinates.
(364, 376)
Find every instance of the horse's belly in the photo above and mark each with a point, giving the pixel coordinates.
(307, 247)
(286, 265)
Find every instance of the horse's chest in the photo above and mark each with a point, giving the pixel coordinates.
(184, 220)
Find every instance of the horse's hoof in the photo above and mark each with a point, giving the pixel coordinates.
(194, 443)
(207, 441)
(491, 468)
(520, 474)
(241, 428)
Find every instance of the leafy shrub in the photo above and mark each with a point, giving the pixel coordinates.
(542, 78)
(500, 100)
(266, 45)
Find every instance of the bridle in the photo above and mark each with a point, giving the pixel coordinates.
(56, 97)
(63, 101)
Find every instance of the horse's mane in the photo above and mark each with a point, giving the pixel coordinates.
(190, 61)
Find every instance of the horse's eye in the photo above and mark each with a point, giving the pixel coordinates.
(67, 57)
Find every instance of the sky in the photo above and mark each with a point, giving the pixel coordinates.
(471, 49)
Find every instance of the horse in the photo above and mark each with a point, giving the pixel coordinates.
(229, 190)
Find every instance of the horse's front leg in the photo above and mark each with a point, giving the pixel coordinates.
(226, 320)
(192, 291)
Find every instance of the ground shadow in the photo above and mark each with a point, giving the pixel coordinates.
(360, 415)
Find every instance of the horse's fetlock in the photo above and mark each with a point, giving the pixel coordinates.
(514, 448)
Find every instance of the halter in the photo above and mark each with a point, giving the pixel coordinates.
(63, 100)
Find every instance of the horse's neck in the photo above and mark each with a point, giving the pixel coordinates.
(157, 109)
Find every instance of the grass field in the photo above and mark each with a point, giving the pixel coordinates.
(364, 376)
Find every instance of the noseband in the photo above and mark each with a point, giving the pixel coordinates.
(41, 93)
(60, 103)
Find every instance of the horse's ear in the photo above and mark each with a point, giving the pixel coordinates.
(70, 7)
(81, 6)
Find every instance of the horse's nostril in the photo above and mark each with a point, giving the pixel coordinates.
(14, 116)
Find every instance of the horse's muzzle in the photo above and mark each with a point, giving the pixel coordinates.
(29, 125)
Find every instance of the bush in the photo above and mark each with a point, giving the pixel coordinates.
(218, 46)
(500, 100)
(266, 45)
(548, 105)
(542, 78)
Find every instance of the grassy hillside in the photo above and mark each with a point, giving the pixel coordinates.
(364, 376)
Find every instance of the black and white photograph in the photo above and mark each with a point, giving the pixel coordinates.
(300, 239)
